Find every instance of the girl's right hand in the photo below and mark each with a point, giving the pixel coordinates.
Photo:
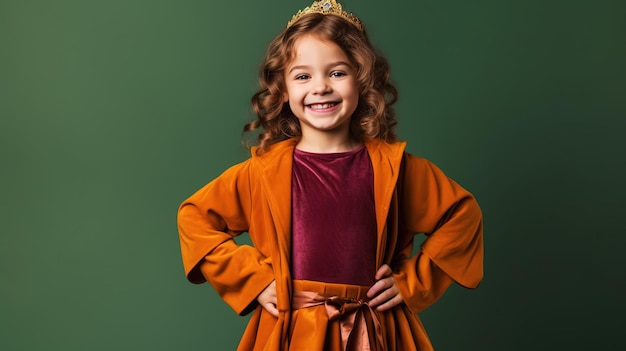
(267, 299)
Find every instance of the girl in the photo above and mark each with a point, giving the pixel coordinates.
(331, 203)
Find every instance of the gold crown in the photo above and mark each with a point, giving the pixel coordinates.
(327, 7)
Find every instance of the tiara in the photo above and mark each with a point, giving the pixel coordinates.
(328, 7)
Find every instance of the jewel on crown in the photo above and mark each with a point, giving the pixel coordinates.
(327, 7)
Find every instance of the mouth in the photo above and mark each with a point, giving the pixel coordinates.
(322, 106)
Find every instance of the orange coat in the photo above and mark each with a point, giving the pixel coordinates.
(412, 196)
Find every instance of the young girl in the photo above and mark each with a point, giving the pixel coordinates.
(331, 203)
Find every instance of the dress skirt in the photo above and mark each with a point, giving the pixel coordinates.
(334, 317)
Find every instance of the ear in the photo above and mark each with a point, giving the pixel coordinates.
(285, 97)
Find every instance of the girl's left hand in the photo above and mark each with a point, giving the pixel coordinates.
(384, 294)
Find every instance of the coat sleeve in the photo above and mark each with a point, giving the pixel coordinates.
(207, 223)
(449, 216)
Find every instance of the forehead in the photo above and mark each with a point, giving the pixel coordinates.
(313, 48)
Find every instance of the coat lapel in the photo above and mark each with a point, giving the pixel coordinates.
(386, 160)
(275, 168)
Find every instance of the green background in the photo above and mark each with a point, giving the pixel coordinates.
(113, 112)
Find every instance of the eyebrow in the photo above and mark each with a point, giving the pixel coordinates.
(334, 64)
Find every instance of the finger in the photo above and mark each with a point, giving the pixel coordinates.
(271, 308)
(376, 301)
(383, 297)
(379, 286)
(389, 304)
(383, 271)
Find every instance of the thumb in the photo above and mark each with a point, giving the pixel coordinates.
(271, 308)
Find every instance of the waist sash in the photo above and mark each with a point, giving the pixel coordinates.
(360, 328)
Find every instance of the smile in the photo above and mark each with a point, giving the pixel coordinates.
(323, 106)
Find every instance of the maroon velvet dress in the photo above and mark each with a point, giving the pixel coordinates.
(333, 217)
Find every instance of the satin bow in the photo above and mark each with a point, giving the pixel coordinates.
(360, 328)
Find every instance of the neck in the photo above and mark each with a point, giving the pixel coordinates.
(325, 143)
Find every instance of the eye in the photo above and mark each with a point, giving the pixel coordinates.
(338, 74)
(302, 77)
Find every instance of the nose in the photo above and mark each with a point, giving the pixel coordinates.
(321, 86)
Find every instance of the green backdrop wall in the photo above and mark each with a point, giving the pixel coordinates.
(113, 112)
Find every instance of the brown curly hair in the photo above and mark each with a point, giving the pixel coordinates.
(374, 116)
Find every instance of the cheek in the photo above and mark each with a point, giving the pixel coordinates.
(355, 92)
(287, 89)
(295, 93)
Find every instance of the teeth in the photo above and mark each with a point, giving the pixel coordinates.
(322, 106)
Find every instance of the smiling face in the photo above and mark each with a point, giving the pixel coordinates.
(321, 89)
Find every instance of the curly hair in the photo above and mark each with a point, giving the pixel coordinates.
(374, 116)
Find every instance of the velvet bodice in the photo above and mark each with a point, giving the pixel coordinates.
(333, 217)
